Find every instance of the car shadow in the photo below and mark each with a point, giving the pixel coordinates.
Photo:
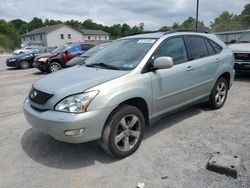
(13, 69)
(242, 77)
(50, 152)
(173, 119)
(39, 73)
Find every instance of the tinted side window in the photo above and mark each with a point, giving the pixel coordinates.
(75, 48)
(217, 48)
(174, 48)
(86, 47)
(210, 49)
(198, 47)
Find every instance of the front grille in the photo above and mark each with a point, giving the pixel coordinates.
(38, 96)
(242, 56)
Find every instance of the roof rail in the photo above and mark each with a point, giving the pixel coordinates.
(185, 30)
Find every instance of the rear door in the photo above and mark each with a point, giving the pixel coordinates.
(203, 64)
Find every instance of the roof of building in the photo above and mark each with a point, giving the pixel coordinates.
(43, 30)
(94, 32)
(46, 29)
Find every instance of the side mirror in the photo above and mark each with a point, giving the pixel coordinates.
(233, 41)
(66, 52)
(163, 63)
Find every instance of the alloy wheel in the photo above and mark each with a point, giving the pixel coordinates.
(221, 91)
(127, 132)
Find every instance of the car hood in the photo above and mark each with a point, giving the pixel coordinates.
(240, 47)
(20, 56)
(75, 80)
(46, 55)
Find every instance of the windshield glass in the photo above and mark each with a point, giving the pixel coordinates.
(244, 38)
(124, 54)
(58, 49)
(94, 50)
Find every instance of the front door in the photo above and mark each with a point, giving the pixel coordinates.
(172, 87)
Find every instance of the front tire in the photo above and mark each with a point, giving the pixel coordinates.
(123, 131)
(24, 64)
(54, 67)
(219, 93)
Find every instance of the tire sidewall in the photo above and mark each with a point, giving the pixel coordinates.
(54, 63)
(113, 123)
(21, 64)
(213, 103)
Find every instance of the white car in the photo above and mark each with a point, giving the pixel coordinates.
(241, 50)
(23, 50)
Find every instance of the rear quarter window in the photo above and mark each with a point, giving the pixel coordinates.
(217, 48)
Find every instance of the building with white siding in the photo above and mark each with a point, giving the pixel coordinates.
(61, 34)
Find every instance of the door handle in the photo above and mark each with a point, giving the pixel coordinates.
(217, 60)
(190, 68)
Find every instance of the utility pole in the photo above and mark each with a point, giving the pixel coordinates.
(197, 15)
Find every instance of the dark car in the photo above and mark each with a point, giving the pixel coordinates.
(25, 60)
(59, 57)
(81, 59)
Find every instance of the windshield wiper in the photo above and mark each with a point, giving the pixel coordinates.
(104, 65)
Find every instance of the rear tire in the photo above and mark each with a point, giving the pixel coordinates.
(54, 67)
(123, 131)
(219, 93)
(24, 64)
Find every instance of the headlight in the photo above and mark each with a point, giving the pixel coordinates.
(44, 59)
(12, 60)
(76, 103)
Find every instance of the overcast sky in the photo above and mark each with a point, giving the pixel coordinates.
(153, 13)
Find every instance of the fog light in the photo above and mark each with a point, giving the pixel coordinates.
(75, 132)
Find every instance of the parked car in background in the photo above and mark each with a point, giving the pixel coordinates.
(241, 50)
(80, 60)
(23, 50)
(25, 60)
(58, 58)
(129, 84)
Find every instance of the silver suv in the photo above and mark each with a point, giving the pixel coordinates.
(128, 85)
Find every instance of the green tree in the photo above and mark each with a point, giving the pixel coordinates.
(226, 22)
(35, 23)
(245, 16)
(51, 22)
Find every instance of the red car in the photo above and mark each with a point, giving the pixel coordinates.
(58, 58)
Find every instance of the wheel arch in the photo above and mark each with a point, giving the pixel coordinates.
(227, 76)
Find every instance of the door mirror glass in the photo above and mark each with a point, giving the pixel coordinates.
(163, 63)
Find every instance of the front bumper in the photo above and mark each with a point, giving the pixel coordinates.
(242, 66)
(11, 63)
(40, 65)
(55, 123)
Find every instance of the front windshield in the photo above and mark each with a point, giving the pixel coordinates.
(244, 38)
(124, 54)
(94, 50)
(58, 49)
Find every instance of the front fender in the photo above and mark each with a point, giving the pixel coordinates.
(114, 92)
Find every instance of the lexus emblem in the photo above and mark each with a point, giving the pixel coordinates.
(33, 95)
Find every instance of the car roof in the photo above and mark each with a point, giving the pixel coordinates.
(157, 35)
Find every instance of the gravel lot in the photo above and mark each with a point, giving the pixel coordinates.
(174, 152)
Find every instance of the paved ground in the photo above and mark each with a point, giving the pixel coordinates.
(173, 154)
